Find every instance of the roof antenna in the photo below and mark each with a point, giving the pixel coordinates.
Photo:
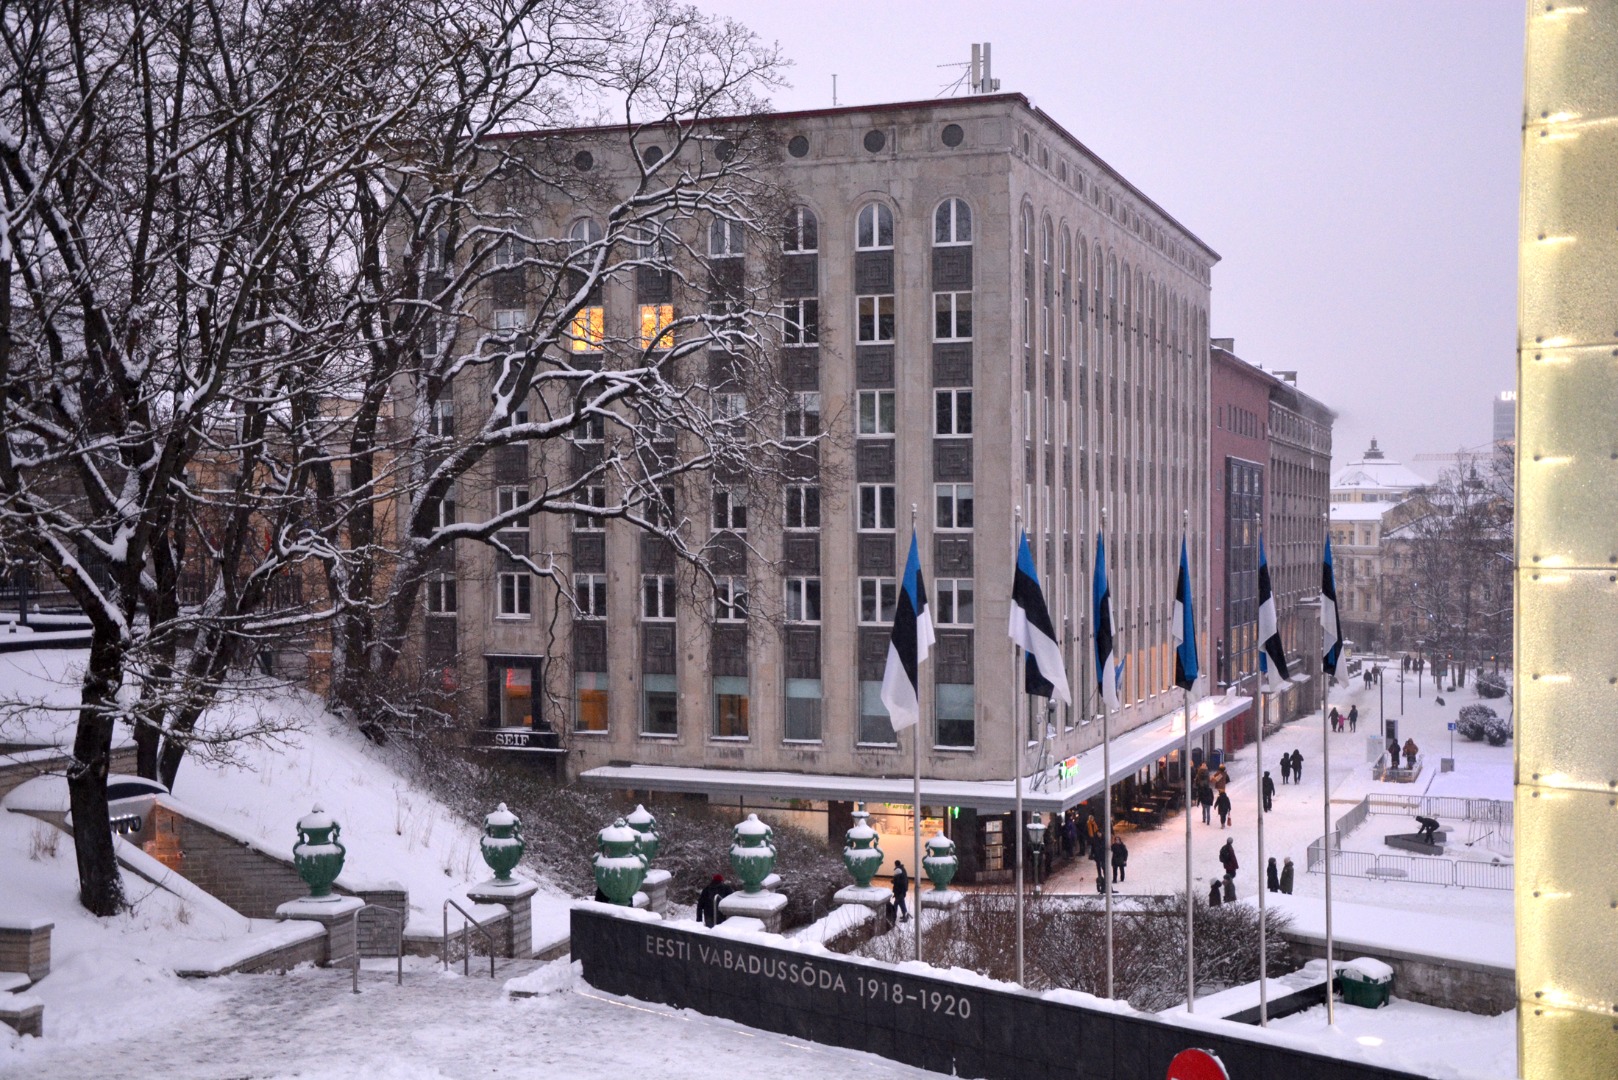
(834, 89)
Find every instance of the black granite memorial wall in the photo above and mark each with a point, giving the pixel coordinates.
(948, 1027)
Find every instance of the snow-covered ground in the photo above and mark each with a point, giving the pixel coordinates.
(1477, 923)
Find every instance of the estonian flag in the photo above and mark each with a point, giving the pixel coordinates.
(1031, 627)
(907, 648)
(1332, 639)
(1272, 655)
(1184, 627)
(1109, 671)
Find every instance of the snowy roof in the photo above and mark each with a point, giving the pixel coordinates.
(1358, 511)
(1130, 751)
(1376, 474)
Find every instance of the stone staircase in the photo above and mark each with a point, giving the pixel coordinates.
(25, 958)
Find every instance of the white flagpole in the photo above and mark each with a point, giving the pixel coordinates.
(1185, 769)
(1325, 813)
(1106, 785)
(1263, 968)
(915, 788)
(1016, 774)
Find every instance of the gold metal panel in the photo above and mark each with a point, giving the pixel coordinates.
(1566, 893)
(1568, 41)
(1564, 1043)
(1567, 256)
(1566, 689)
(1566, 470)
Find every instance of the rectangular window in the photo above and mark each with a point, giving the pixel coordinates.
(803, 599)
(442, 512)
(803, 710)
(509, 320)
(952, 316)
(516, 595)
(588, 332)
(729, 406)
(730, 598)
(726, 239)
(879, 598)
(729, 511)
(591, 496)
(507, 252)
(656, 326)
(508, 499)
(590, 595)
(803, 415)
(876, 412)
(660, 713)
(955, 706)
(590, 703)
(954, 506)
(803, 506)
(877, 508)
(954, 601)
(876, 729)
(592, 428)
(875, 321)
(441, 595)
(657, 597)
(511, 692)
(952, 412)
(801, 322)
(729, 707)
(441, 417)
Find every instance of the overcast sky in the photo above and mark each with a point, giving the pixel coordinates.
(1354, 162)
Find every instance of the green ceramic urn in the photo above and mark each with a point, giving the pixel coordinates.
(752, 853)
(502, 843)
(861, 854)
(641, 820)
(619, 865)
(940, 862)
(318, 854)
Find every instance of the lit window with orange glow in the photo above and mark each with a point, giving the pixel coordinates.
(656, 326)
(589, 331)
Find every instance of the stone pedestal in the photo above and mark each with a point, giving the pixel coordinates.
(944, 901)
(25, 946)
(656, 888)
(766, 907)
(517, 937)
(23, 1013)
(873, 897)
(336, 915)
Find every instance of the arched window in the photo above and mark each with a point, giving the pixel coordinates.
(584, 231)
(1027, 230)
(726, 238)
(952, 223)
(1046, 286)
(874, 231)
(1064, 296)
(1080, 297)
(801, 232)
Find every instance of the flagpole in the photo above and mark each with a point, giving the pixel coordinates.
(915, 791)
(1325, 781)
(1016, 778)
(1263, 945)
(1185, 769)
(1106, 804)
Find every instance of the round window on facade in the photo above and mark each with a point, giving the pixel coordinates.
(952, 135)
(798, 146)
(724, 150)
(584, 161)
(875, 140)
(652, 155)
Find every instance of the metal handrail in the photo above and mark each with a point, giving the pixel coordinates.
(399, 960)
(466, 952)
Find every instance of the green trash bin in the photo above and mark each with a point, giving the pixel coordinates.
(1365, 982)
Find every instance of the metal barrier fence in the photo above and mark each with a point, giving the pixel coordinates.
(1422, 869)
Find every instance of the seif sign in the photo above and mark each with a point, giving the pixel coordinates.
(1197, 1065)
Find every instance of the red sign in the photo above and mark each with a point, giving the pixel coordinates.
(1196, 1065)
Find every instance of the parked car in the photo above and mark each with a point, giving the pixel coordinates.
(129, 805)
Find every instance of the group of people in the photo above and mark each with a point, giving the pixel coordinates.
(1208, 788)
(1410, 752)
(1099, 850)
(1373, 675)
(1223, 890)
(1291, 768)
(1340, 723)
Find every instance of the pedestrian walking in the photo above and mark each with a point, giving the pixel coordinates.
(1393, 753)
(1411, 750)
(1070, 837)
(1272, 876)
(1205, 799)
(1286, 768)
(1297, 767)
(1268, 787)
(1215, 894)
(1222, 804)
(1353, 717)
(1230, 888)
(901, 889)
(1286, 875)
(1227, 857)
(1220, 779)
(1120, 859)
(708, 901)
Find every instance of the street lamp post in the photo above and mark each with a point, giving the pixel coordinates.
(1036, 842)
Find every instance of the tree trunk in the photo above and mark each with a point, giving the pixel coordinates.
(100, 887)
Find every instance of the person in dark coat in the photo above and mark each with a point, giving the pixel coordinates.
(1120, 859)
(1070, 837)
(1222, 804)
(1272, 877)
(1215, 895)
(1393, 753)
(1205, 800)
(1286, 875)
(901, 889)
(1227, 857)
(1268, 787)
(708, 901)
(1286, 768)
(1411, 750)
(1353, 717)
(1297, 766)
(1230, 888)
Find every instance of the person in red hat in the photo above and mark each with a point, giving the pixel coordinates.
(708, 901)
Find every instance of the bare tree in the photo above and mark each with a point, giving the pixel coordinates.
(241, 252)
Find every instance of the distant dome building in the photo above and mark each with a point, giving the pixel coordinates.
(1363, 492)
(1373, 478)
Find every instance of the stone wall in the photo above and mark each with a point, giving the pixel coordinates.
(1426, 980)
(15, 773)
(25, 946)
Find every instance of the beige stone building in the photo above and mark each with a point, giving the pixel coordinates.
(990, 318)
(1362, 494)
